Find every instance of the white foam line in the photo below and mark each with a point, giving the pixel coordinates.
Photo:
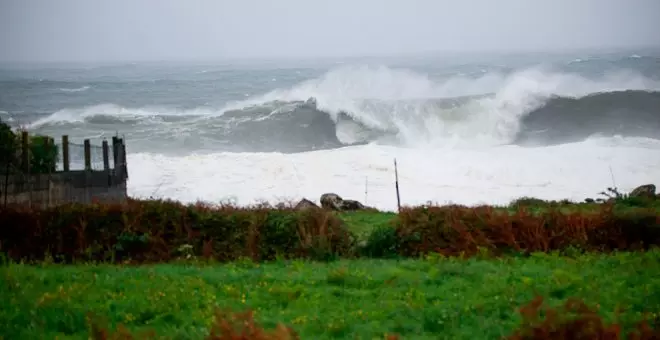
(470, 176)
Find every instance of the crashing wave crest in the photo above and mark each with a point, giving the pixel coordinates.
(384, 105)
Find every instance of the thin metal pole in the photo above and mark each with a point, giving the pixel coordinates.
(396, 184)
(366, 184)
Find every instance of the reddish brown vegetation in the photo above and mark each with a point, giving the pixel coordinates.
(457, 230)
(241, 326)
(574, 321)
(154, 231)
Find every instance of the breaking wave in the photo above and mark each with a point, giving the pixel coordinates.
(357, 105)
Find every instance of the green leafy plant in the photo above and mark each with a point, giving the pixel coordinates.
(43, 155)
(8, 145)
(43, 152)
(383, 242)
(624, 199)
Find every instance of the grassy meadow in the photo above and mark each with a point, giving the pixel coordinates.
(429, 296)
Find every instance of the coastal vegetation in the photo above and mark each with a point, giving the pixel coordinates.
(164, 269)
(37, 154)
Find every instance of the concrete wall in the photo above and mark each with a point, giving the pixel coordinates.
(47, 190)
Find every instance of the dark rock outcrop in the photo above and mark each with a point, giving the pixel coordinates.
(351, 205)
(646, 190)
(335, 202)
(306, 204)
(331, 201)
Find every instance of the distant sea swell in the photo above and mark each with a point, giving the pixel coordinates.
(357, 105)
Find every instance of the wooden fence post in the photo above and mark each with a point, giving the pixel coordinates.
(115, 151)
(124, 158)
(65, 154)
(123, 151)
(48, 143)
(106, 156)
(88, 155)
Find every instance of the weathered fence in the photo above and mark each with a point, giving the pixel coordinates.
(84, 173)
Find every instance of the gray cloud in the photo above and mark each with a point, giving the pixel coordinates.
(94, 30)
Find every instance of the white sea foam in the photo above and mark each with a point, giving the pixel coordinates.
(398, 100)
(493, 175)
(77, 89)
(78, 115)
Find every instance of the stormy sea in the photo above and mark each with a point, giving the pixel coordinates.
(466, 130)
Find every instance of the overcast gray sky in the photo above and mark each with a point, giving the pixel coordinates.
(89, 30)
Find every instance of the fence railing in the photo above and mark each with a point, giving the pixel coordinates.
(63, 172)
(92, 157)
(75, 156)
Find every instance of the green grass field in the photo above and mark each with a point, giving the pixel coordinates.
(362, 299)
(430, 298)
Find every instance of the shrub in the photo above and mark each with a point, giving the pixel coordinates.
(455, 230)
(614, 196)
(43, 155)
(8, 146)
(152, 231)
(530, 202)
(383, 242)
(575, 320)
(43, 152)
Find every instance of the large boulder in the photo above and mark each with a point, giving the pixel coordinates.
(646, 190)
(351, 205)
(306, 204)
(331, 201)
(335, 202)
